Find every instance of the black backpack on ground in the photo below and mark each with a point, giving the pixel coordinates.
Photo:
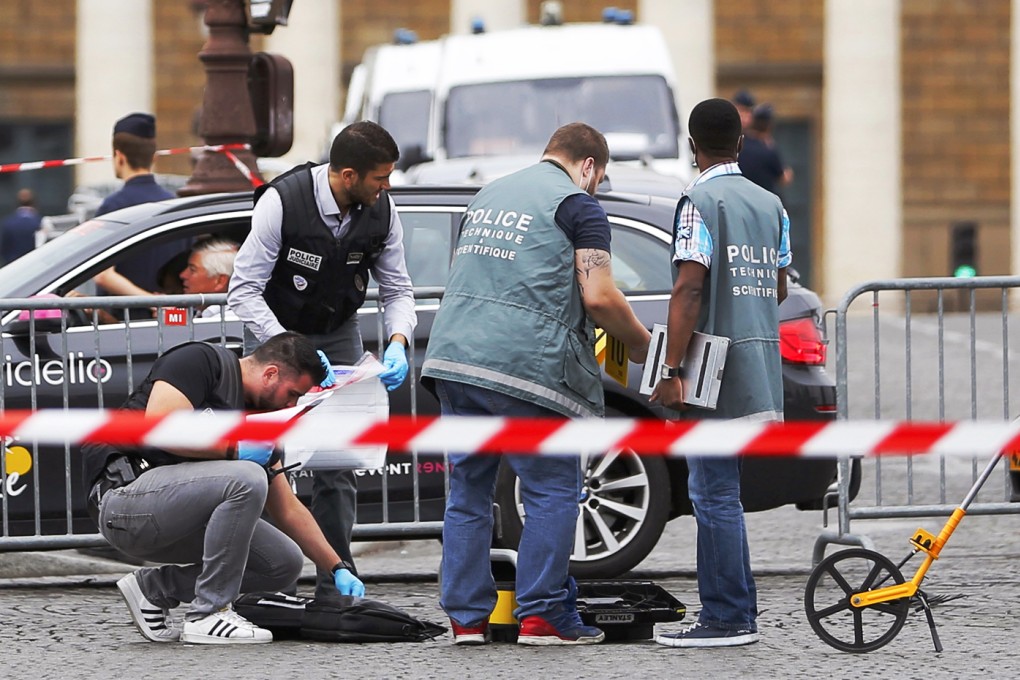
(344, 619)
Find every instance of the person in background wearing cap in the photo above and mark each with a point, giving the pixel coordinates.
(17, 231)
(317, 232)
(134, 147)
(744, 101)
(759, 159)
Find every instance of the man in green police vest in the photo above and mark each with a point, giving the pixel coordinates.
(731, 251)
(513, 337)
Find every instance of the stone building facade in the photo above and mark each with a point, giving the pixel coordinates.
(952, 157)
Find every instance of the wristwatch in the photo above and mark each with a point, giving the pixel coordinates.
(668, 372)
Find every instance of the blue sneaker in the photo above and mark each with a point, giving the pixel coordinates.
(700, 635)
(536, 630)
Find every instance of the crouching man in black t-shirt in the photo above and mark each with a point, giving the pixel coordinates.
(199, 511)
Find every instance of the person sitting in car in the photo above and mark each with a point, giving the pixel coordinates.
(209, 268)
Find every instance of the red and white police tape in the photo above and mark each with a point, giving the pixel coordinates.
(197, 430)
(226, 149)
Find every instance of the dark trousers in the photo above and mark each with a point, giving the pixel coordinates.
(334, 492)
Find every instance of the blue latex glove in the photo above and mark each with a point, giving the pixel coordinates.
(395, 363)
(256, 452)
(330, 378)
(347, 583)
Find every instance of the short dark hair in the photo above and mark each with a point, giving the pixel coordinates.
(715, 127)
(577, 141)
(362, 146)
(138, 151)
(292, 352)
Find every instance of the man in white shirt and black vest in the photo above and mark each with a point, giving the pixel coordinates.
(317, 233)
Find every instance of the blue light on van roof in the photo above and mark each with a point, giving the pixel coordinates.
(616, 15)
(404, 36)
(477, 25)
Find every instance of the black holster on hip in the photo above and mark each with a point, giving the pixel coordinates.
(119, 471)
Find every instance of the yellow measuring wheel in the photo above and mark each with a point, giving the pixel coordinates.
(857, 600)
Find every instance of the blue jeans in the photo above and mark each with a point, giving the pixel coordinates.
(729, 599)
(550, 487)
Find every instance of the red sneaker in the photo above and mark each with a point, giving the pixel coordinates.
(536, 630)
(470, 635)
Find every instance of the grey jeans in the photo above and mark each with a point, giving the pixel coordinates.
(334, 492)
(203, 518)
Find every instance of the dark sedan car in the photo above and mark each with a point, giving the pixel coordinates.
(627, 499)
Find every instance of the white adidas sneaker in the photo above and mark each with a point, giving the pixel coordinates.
(151, 621)
(225, 627)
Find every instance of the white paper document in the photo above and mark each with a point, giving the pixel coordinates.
(358, 393)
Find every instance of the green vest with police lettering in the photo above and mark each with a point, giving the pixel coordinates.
(512, 319)
(741, 300)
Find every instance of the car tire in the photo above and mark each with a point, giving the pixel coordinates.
(635, 534)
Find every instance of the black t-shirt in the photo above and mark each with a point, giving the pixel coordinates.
(584, 222)
(194, 368)
(760, 163)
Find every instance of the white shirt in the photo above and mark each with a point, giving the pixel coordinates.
(215, 311)
(257, 257)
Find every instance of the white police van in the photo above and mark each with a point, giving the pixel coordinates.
(503, 93)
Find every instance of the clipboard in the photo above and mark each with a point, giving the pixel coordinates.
(703, 366)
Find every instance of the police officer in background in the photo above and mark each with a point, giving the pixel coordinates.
(134, 148)
(513, 337)
(317, 233)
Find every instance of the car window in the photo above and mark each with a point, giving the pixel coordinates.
(641, 262)
(406, 116)
(168, 253)
(428, 243)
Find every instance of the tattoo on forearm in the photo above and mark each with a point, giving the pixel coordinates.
(591, 259)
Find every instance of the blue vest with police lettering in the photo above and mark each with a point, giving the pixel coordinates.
(741, 301)
(512, 318)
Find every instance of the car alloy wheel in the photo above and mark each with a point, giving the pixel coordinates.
(623, 509)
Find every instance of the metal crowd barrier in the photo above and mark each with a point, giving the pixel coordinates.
(60, 353)
(921, 349)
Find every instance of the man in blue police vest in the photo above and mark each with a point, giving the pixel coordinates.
(134, 147)
(731, 251)
(316, 233)
(514, 337)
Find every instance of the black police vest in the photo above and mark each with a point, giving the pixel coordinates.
(319, 280)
